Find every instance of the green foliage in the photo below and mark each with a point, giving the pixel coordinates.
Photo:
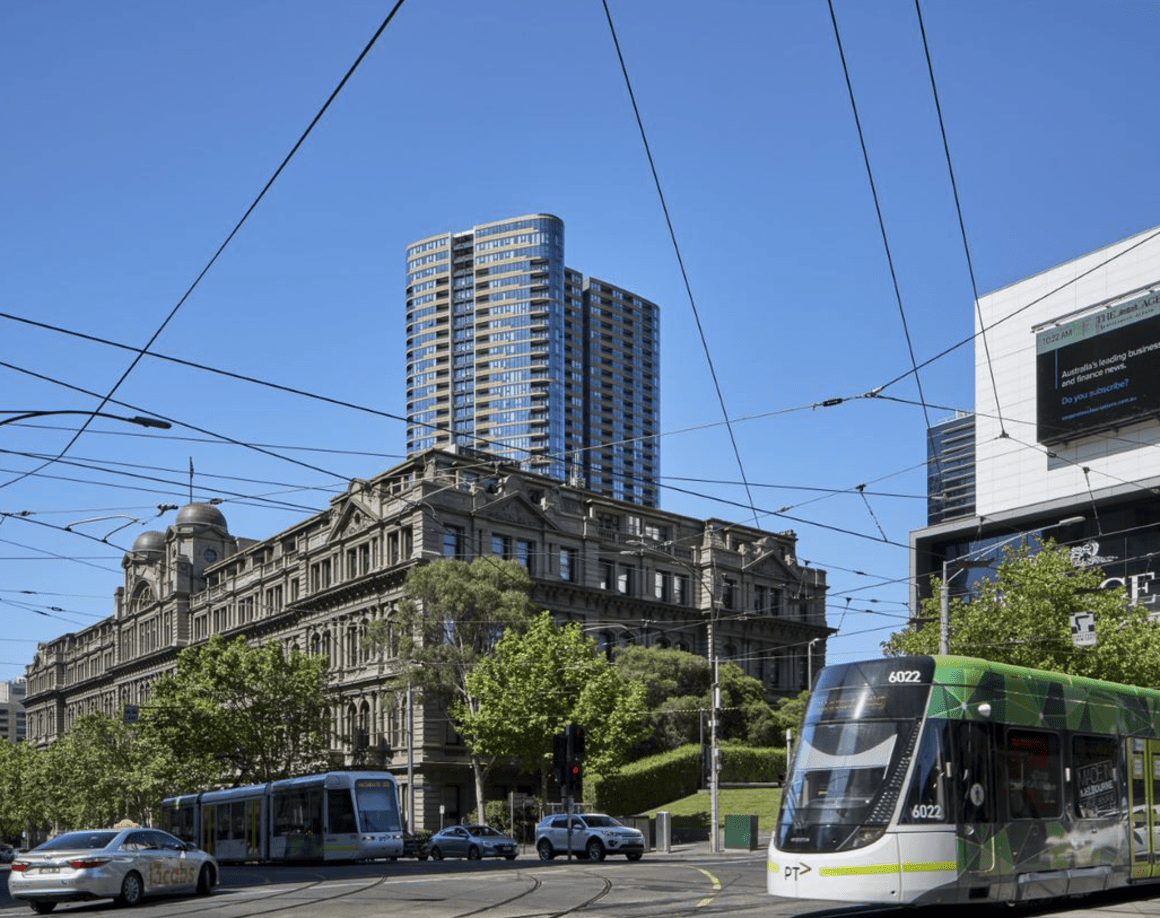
(103, 772)
(1022, 616)
(751, 765)
(236, 714)
(15, 790)
(452, 616)
(534, 684)
(498, 815)
(678, 690)
(696, 808)
(789, 713)
(454, 613)
(650, 782)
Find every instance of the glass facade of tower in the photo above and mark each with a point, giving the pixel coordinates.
(510, 351)
(950, 470)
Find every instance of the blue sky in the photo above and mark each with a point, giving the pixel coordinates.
(138, 133)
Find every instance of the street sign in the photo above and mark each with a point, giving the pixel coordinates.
(1083, 629)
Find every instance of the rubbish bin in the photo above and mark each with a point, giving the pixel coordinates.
(741, 832)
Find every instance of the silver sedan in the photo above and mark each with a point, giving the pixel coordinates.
(121, 864)
(472, 842)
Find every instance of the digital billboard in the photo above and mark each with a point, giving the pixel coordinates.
(1099, 371)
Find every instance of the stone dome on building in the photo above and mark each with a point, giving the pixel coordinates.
(149, 544)
(201, 514)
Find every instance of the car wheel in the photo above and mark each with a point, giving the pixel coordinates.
(595, 850)
(545, 849)
(635, 856)
(131, 889)
(437, 853)
(205, 881)
(509, 857)
(422, 857)
(473, 853)
(42, 908)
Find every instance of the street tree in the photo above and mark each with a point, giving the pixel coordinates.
(234, 713)
(452, 616)
(1023, 616)
(678, 692)
(104, 773)
(15, 788)
(537, 682)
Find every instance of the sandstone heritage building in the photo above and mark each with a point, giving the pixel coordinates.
(629, 573)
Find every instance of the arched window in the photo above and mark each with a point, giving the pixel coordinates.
(142, 597)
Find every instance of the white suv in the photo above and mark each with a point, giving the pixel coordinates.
(593, 835)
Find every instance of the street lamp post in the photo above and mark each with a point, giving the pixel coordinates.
(137, 419)
(715, 689)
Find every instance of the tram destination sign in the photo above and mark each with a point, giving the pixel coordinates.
(1099, 371)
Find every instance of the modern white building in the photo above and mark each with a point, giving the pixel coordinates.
(1067, 421)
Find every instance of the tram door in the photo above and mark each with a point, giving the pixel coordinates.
(253, 821)
(1144, 803)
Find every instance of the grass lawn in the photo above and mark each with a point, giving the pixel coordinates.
(731, 801)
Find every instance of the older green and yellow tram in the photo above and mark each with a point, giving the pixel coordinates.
(947, 779)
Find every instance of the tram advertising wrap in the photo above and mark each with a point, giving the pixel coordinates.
(921, 780)
(336, 816)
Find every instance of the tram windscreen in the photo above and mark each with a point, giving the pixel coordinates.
(378, 806)
(856, 744)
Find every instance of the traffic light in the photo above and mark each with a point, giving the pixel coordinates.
(560, 759)
(575, 734)
(576, 780)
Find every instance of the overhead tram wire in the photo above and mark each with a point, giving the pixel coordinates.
(213, 260)
(680, 259)
(959, 212)
(1011, 315)
(878, 211)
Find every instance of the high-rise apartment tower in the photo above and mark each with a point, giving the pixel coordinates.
(512, 352)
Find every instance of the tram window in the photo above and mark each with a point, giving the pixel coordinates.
(340, 810)
(230, 820)
(1033, 772)
(1094, 762)
(297, 811)
(927, 801)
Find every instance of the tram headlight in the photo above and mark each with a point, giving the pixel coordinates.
(865, 835)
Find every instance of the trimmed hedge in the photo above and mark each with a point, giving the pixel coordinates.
(653, 782)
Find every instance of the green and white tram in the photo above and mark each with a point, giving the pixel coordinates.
(946, 779)
(334, 816)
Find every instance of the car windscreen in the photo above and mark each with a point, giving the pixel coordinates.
(71, 841)
(600, 822)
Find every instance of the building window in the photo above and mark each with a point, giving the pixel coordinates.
(501, 545)
(729, 594)
(567, 564)
(681, 589)
(453, 542)
(607, 575)
(525, 554)
(661, 589)
(624, 581)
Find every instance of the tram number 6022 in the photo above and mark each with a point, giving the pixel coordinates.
(931, 812)
(904, 675)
